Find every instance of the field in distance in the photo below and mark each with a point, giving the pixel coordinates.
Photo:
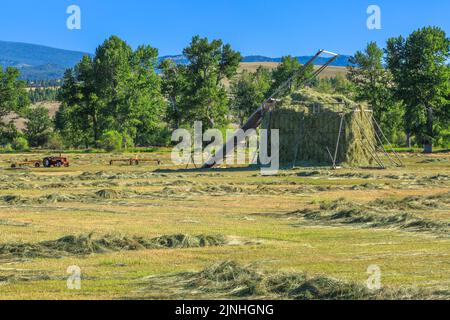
(330, 72)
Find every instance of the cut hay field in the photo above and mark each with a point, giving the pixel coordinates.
(148, 232)
(329, 72)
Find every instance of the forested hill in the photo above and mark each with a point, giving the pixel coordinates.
(37, 62)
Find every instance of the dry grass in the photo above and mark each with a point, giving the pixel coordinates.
(20, 123)
(230, 280)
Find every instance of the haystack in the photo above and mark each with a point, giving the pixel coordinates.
(310, 126)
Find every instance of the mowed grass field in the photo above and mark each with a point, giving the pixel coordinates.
(252, 212)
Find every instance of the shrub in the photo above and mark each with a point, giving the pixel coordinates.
(55, 142)
(127, 141)
(20, 144)
(39, 126)
(7, 148)
(444, 139)
(112, 141)
(8, 133)
(160, 136)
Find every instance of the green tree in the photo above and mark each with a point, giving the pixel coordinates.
(8, 132)
(249, 91)
(173, 86)
(39, 126)
(422, 78)
(335, 85)
(374, 84)
(289, 67)
(144, 100)
(76, 117)
(20, 144)
(114, 141)
(13, 94)
(205, 97)
(55, 142)
(117, 89)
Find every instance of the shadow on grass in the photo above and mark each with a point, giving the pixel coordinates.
(209, 170)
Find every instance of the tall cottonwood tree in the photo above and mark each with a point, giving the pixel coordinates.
(117, 89)
(373, 83)
(249, 91)
(13, 99)
(13, 94)
(205, 97)
(173, 86)
(419, 65)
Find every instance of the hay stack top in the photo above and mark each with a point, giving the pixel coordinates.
(308, 100)
(310, 127)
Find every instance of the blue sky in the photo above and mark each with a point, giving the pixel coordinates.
(264, 27)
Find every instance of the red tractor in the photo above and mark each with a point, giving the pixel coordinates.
(55, 162)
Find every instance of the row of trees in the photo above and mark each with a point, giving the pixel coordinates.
(15, 101)
(119, 90)
(251, 89)
(40, 94)
(408, 84)
(122, 96)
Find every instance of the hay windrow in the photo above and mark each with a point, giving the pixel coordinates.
(230, 280)
(14, 223)
(381, 213)
(12, 199)
(108, 194)
(8, 276)
(87, 244)
(434, 160)
(439, 201)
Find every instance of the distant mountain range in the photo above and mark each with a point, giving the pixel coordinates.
(37, 62)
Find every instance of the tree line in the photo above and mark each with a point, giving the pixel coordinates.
(122, 97)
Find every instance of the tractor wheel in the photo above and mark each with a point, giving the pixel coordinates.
(13, 166)
(58, 164)
(37, 165)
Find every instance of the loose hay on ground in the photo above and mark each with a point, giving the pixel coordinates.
(87, 244)
(380, 214)
(230, 280)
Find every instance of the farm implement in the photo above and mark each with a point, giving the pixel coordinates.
(47, 162)
(34, 163)
(134, 161)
